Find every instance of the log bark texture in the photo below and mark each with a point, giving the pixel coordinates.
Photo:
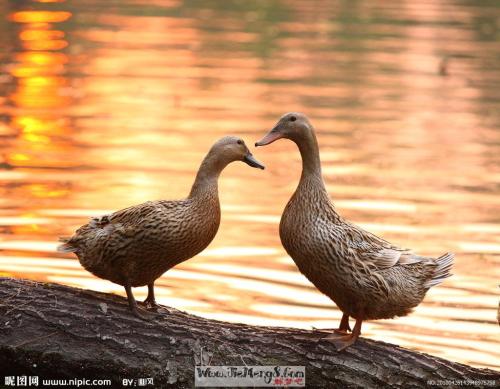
(55, 331)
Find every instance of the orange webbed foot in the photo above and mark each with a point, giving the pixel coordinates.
(343, 342)
(341, 339)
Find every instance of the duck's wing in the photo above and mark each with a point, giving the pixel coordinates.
(132, 216)
(117, 226)
(372, 249)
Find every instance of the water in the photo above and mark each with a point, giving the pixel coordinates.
(108, 104)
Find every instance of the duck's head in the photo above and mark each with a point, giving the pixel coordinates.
(233, 148)
(293, 125)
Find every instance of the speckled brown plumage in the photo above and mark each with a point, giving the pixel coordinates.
(136, 245)
(366, 276)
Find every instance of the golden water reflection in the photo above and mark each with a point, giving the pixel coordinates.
(103, 108)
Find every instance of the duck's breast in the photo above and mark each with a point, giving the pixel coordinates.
(181, 232)
(196, 230)
(305, 236)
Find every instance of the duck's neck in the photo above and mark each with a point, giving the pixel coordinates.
(311, 192)
(311, 163)
(205, 184)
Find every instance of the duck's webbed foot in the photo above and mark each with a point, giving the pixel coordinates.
(341, 342)
(344, 329)
(138, 312)
(151, 305)
(142, 314)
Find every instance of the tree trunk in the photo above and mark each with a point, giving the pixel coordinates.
(55, 331)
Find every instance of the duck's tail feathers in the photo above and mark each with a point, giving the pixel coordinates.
(442, 270)
(66, 246)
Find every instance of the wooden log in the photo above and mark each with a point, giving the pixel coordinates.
(55, 331)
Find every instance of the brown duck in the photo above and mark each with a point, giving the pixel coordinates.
(136, 245)
(366, 276)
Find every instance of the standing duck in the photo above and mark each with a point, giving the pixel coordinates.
(366, 276)
(136, 245)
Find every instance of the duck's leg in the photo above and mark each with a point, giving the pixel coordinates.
(344, 326)
(342, 342)
(150, 300)
(133, 304)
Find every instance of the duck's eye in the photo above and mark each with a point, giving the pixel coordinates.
(240, 142)
(293, 118)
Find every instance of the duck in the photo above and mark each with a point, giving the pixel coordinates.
(134, 246)
(367, 277)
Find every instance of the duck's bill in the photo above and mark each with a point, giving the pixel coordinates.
(268, 139)
(251, 161)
